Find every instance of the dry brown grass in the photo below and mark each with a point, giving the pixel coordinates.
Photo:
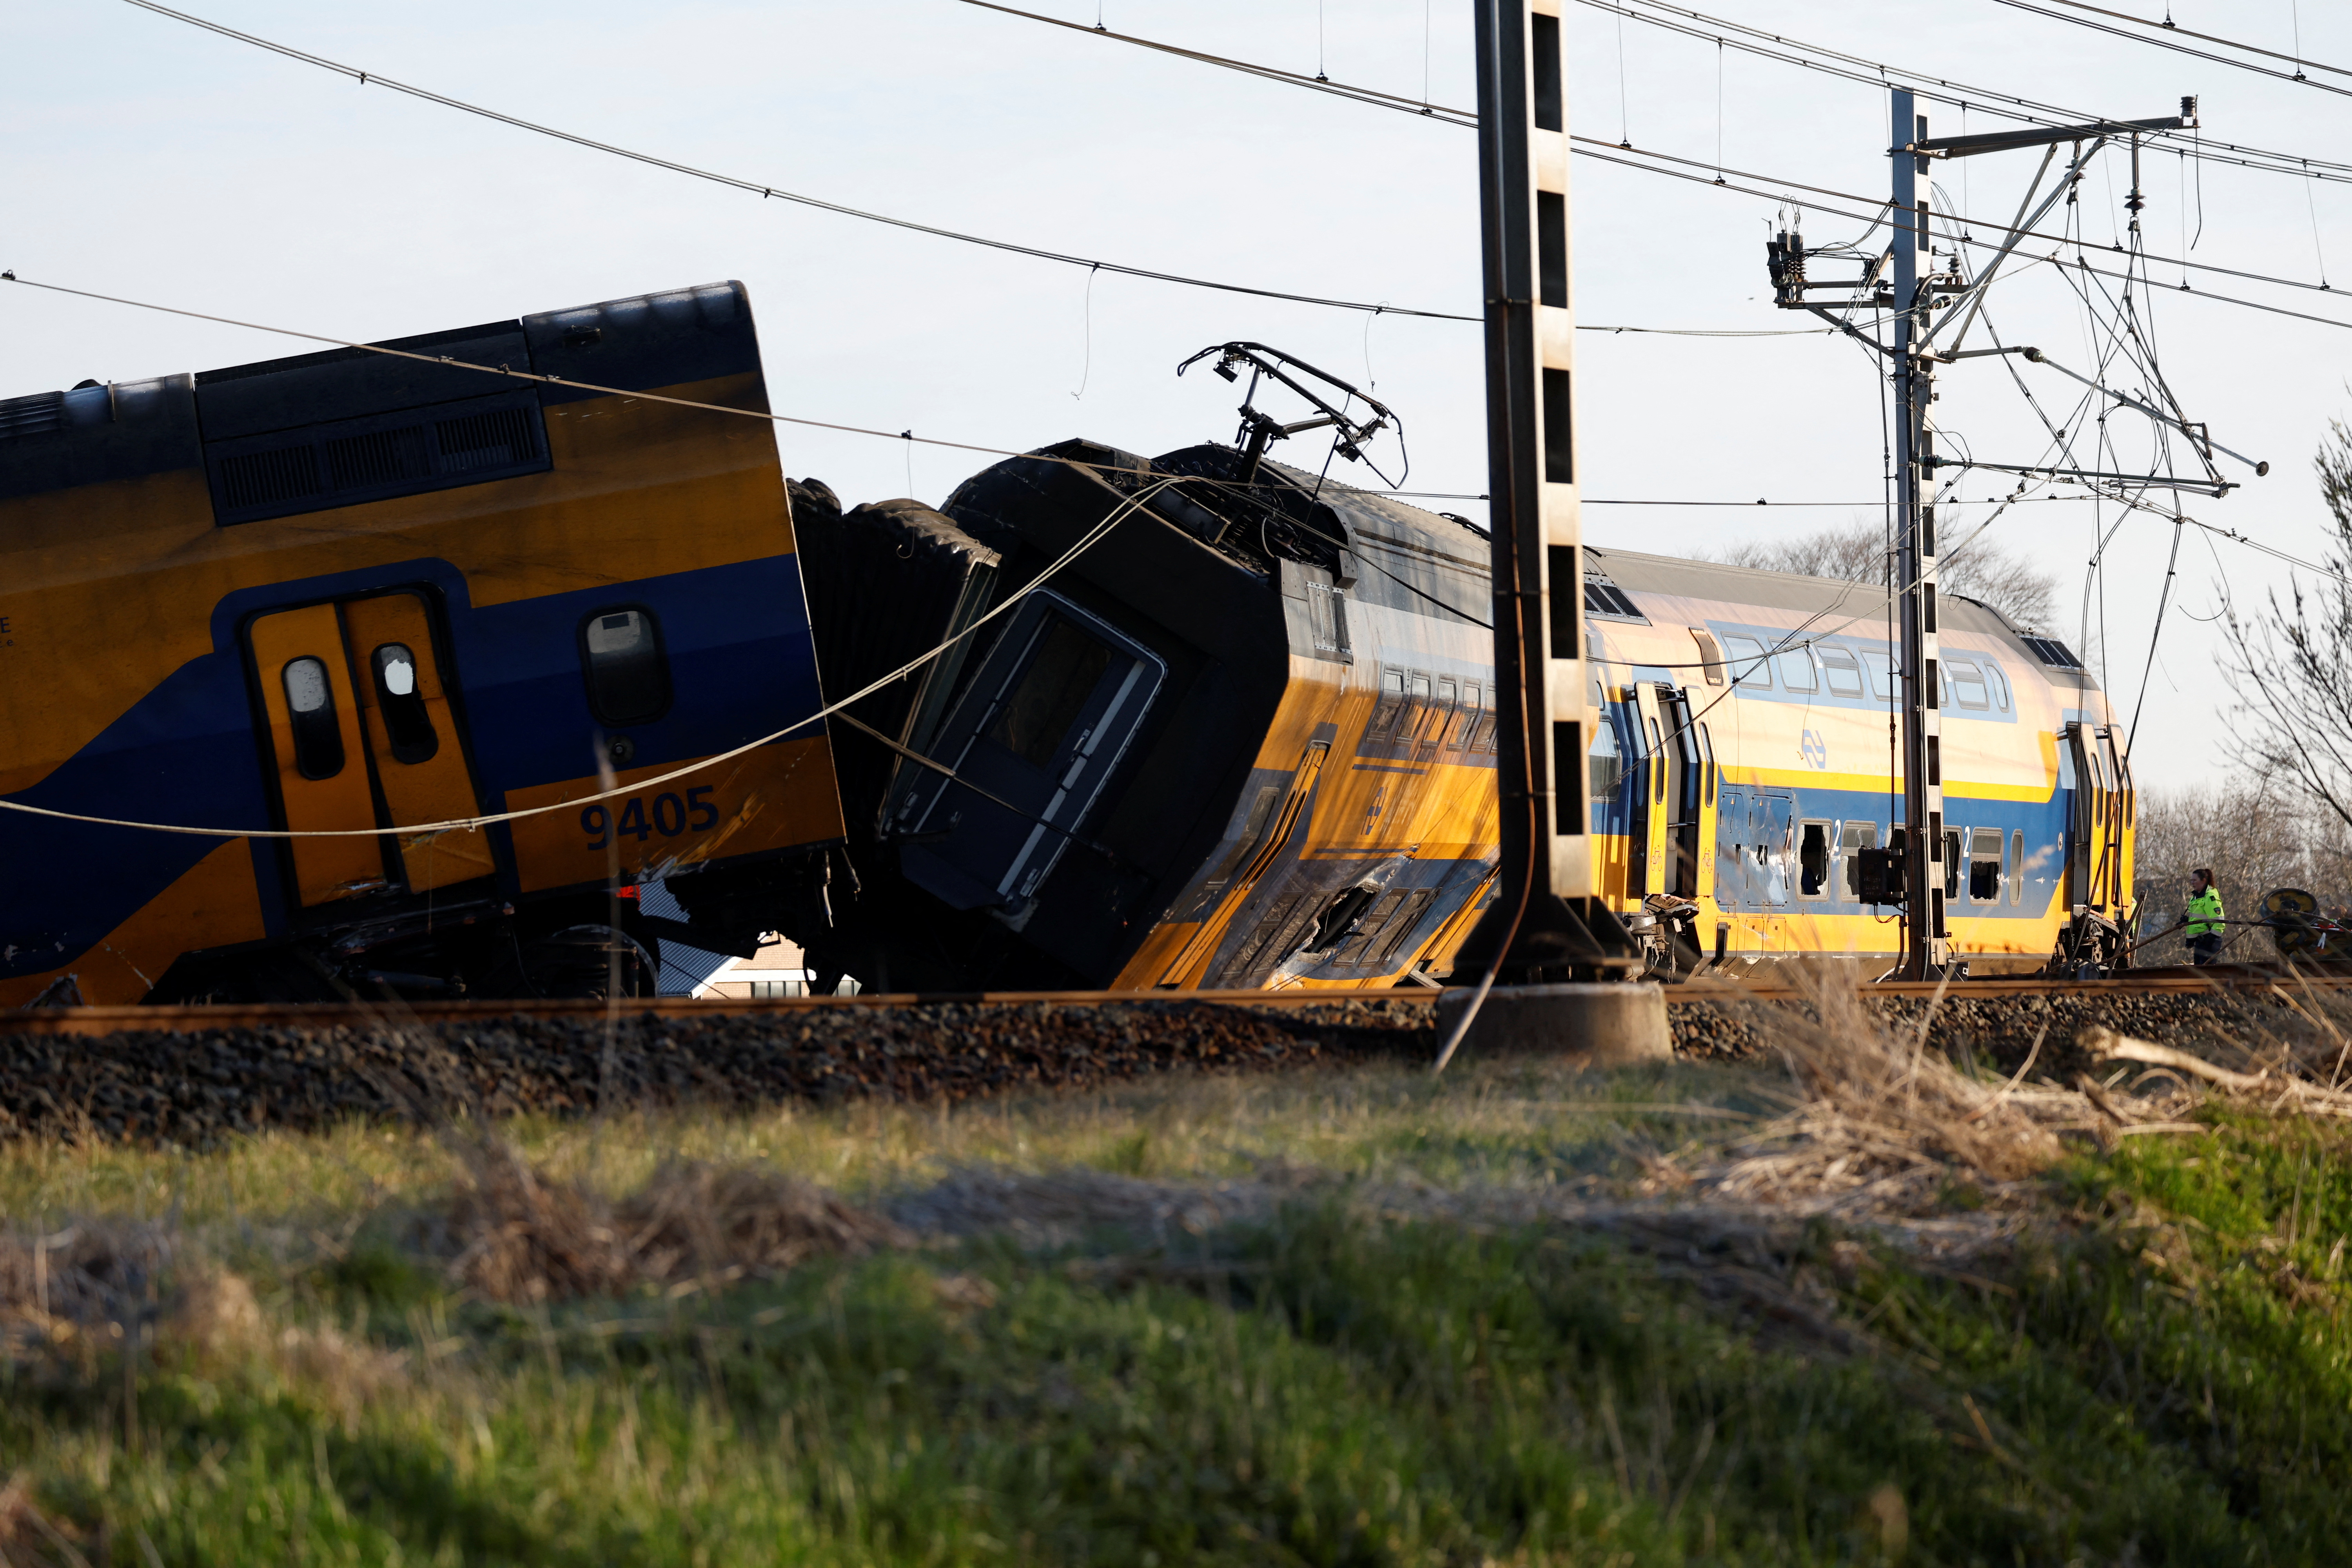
(513, 1233)
(1885, 1125)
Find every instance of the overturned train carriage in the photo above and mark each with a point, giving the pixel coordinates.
(350, 593)
(1241, 733)
(1173, 762)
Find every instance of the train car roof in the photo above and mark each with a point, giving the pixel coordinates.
(1719, 582)
(93, 432)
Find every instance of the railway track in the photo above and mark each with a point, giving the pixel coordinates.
(2218, 980)
(193, 1076)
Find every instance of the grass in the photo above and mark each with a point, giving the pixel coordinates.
(1407, 1347)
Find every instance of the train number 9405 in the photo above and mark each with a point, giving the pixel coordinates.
(668, 815)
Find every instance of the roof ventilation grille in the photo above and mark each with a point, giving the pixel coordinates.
(35, 415)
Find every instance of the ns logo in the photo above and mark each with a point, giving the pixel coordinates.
(1814, 748)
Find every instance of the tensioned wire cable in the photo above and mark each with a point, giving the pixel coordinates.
(2082, 262)
(366, 77)
(2295, 76)
(468, 823)
(508, 372)
(1467, 119)
(1954, 94)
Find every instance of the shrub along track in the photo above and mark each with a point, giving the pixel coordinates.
(190, 1076)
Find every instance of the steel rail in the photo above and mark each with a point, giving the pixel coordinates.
(2219, 979)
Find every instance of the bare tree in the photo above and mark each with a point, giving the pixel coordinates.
(2291, 668)
(1979, 568)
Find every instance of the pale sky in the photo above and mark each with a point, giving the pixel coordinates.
(152, 160)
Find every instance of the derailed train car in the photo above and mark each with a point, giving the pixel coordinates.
(348, 594)
(1243, 735)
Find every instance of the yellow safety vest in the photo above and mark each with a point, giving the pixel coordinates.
(2205, 914)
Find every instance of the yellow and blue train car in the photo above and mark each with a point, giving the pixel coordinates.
(1744, 753)
(351, 591)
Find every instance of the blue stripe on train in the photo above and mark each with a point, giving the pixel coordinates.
(2043, 823)
(186, 753)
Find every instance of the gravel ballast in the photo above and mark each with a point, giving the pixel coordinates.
(193, 1088)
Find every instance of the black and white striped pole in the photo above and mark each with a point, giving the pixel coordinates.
(1546, 924)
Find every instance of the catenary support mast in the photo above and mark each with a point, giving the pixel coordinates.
(1545, 922)
(1924, 852)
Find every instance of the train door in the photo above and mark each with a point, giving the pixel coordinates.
(1709, 819)
(1655, 780)
(1775, 823)
(2093, 847)
(1732, 809)
(420, 759)
(362, 735)
(1685, 786)
(1033, 740)
(2111, 891)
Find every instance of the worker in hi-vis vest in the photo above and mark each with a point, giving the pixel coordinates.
(2203, 920)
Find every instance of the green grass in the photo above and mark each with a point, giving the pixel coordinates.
(2159, 1376)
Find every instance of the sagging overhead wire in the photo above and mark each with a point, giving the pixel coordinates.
(764, 191)
(1093, 536)
(510, 374)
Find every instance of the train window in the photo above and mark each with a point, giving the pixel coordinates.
(1402, 925)
(406, 723)
(1999, 684)
(1706, 752)
(628, 677)
(1062, 675)
(1797, 669)
(2017, 865)
(1481, 737)
(1844, 674)
(1951, 862)
(1968, 683)
(1710, 656)
(1943, 676)
(1654, 764)
(1449, 706)
(1369, 930)
(1853, 838)
(318, 736)
(1814, 862)
(1604, 768)
(1984, 865)
(1466, 719)
(1391, 702)
(1880, 662)
(1747, 665)
(1416, 708)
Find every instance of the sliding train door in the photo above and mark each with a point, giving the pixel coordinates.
(364, 738)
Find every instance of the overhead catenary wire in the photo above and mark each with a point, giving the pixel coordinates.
(767, 191)
(1582, 144)
(2297, 75)
(1952, 94)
